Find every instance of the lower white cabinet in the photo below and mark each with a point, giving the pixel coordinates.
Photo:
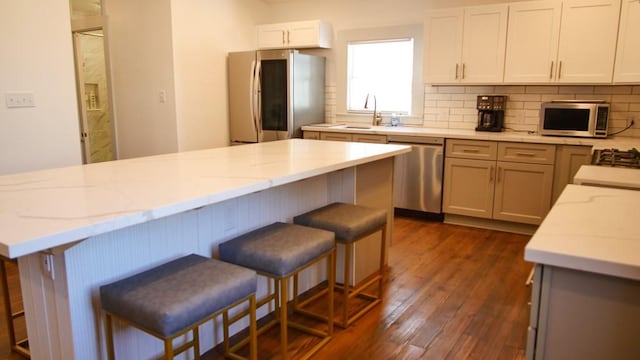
(569, 158)
(515, 184)
(583, 315)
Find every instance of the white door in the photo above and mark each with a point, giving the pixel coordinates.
(627, 67)
(588, 36)
(483, 43)
(532, 41)
(442, 45)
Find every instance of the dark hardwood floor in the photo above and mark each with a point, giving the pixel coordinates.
(451, 292)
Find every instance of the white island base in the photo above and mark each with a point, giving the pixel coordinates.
(61, 298)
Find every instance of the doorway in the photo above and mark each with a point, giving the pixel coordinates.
(96, 124)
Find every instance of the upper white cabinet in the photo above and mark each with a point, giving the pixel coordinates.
(570, 41)
(465, 44)
(299, 34)
(532, 41)
(627, 67)
(587, 41)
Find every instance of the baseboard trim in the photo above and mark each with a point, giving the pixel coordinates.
(517, 228)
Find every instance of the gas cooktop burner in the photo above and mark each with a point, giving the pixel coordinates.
(615, 157)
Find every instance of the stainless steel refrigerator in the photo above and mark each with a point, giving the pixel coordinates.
(272, 93)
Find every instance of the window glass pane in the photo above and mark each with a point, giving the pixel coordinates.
(383, 69)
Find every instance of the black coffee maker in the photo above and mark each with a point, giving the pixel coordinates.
(491, 112)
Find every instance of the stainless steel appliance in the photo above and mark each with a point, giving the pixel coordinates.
(418, 174)
(273, 93)
(614, 157)
(491, 112)
(574, 118)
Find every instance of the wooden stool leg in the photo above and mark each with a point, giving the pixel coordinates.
(284, 339)
(331, 280)
(383, 255)
(196, 343)
(347, 283)
(253, 331)
(225, 332)
(109, 329)
(168, 349)
(7, 302)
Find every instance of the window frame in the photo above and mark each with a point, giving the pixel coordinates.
(343, 38)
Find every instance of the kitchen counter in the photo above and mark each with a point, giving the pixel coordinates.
(617, 177)
(74, 229)
(612, 142)
(591, 229)
(46, 209)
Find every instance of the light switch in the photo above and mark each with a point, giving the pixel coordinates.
(19, 100)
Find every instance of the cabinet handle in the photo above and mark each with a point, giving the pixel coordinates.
(457, 66)
(525, 154)
(551, 71)
(463, 71)
(470, 150)
(491, 172)
(283, 38)
(559, 69)
(288, 37)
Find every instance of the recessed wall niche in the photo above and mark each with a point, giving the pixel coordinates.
(92, 98)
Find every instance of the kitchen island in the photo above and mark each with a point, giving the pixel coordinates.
(74, 229)
(585, 301)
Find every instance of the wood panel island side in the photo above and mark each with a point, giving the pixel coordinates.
(74, 229)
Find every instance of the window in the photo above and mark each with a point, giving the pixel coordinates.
(385, 62)
(383, 69)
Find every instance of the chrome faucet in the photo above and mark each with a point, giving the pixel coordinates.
(375, 120)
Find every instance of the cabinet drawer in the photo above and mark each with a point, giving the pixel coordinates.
(335, 136)
(378, 139)
(527, 153)
(471, 149)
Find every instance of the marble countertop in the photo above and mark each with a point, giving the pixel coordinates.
(50, 208)
(611, 142)
(609, 176)
(591, 229)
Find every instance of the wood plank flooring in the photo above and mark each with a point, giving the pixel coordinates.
(451, 292)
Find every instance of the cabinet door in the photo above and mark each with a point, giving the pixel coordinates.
(532, 41)
(523, 192)
(627, 67)
(370, 138)
(311, 135)
(442, 45)
(588, 37)
(483, 43)
(271, 36)
(569, 158)
(468, 187)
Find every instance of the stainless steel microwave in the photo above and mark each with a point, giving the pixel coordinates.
(574, 118)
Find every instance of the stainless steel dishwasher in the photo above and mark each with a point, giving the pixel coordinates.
(418, 174)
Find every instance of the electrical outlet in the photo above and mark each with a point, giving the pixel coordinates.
(19, 100)
(631, 122)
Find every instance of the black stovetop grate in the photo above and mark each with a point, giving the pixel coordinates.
(615, 157)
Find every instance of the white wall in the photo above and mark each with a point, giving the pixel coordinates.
(139, 38)
(37, 57)
(203, 33)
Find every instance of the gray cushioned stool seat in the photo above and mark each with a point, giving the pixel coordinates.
(175, 295)
(277, 249)
(349, 222)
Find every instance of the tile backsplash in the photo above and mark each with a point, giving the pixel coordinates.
(455, 106)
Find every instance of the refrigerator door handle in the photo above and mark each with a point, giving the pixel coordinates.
(256, 106)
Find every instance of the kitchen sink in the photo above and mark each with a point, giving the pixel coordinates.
(357, 127)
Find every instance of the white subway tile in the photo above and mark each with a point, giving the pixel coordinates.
(464, 97)
(626, 98)
(532, 113)
(575, 90)
(636, 90)
(602, 97)
(541, 89)
(455, 118)
(430, 89)
(617, 89)
(532, 105)
(462, 125)
(449, 103)
(480, 90)
(430, 103)
(509, 89)
(450, 89)
(463, 111)
(634, 107)
(471, 104)
(524, 97)
(546, 98)
(471, 118)
(434, 96)
(515, 105)
(619, 107)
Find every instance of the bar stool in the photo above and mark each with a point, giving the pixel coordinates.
(280, 251)
(18, 346)
(175, 298)
(351, 223)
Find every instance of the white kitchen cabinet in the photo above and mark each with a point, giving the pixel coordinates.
(465, 44)
(570, 41)
(512, 182)
(298, 34)
(569, 158)
(627, 66)
(587, 45)
(532, 41)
